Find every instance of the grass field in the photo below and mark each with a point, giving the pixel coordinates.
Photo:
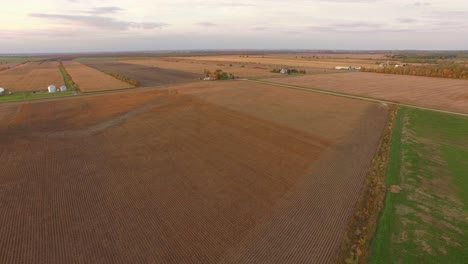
(426, 222)
(32, 96)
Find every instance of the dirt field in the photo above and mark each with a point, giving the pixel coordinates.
(279, 61)
(444, 94)
(32, 76)
(92, 80)
(221, 172)
(198, 67)
(147, 76)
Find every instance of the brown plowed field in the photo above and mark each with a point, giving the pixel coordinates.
(290, 62)
(92, 80)
(177, 176)
(438, 93)
(31, 76)
(199, 67)
(147, 76)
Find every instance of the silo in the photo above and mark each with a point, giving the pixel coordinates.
(63, 88)
(52, 89)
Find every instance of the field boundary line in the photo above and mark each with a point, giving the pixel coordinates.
(357, 97)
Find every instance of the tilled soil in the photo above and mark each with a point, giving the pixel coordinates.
(147, 76)
(438, 93)
(174, 176)
(31, 76)
(92, 80)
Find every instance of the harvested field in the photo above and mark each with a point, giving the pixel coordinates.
(147, 76)
(6, 66)
(438, 93)
(325, 55)
(218, 172)
(199, 67)
(31, 76)
(289, 62)
(92, 80)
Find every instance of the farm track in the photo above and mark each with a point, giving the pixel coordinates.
(172, 176)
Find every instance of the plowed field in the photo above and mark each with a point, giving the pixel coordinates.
(147, 76)
(92, 80)
(199, 67)
(221, 172)
(290, 62)
(438, 93)
(32, 76)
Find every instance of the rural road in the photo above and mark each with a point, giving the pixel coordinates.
(357, 97)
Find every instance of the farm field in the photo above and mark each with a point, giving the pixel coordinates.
(199, 67)
(438, 93)
(333, 55)
(7, 65)
(92, 80)
(32, 76)
(279, 61)
(208, 172)
(426, 208)
(147, 76)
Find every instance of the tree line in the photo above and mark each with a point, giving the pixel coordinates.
(455, 71)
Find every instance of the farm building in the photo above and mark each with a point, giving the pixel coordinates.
(349, 68)
(284, 71)
(63, 88)
(52, 89)
(2, 91)
(342, 68)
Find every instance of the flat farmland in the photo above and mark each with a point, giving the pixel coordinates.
(198, 67)
(92, 80)
(147, 76)
(289, 61)
(32, 76)
(438, 93)
(208, 172)
(425, 215)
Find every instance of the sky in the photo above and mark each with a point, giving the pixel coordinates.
(43, 26)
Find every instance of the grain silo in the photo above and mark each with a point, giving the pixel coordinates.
(52, 89)
(63, 88)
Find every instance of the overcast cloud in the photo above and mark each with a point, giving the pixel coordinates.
(122, 25)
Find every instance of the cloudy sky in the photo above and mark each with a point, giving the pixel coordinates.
(123, 25)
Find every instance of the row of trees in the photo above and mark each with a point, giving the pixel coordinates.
(290, 71)
(123, 78)
(455, 71)
(219, 75)
(69, 83)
